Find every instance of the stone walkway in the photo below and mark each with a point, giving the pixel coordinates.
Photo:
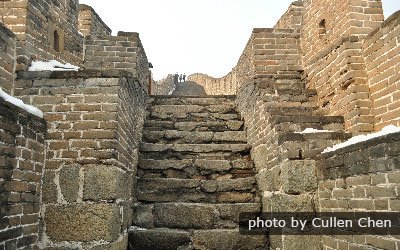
(189, 88)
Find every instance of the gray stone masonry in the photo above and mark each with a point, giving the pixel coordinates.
(194, 176)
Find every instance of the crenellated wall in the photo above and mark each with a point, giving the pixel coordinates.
(22, 156)
(95, 121)
(90, 23)
(7, 62)
(35, 27)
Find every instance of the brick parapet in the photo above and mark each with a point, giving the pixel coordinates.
(22, 156)
(95, 121)
(361, 177)
(90, 23)
(292, 18)
(7, 55)
(122, 52)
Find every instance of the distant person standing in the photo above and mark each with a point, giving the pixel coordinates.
(180, 78)
(176, 78)
(184, 77)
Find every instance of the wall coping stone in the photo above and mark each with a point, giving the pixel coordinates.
(363, 145)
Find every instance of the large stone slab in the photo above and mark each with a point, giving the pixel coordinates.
(158, 239)
(227, 240)
(83, 222)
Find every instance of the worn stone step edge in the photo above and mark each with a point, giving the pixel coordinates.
(177, 136)
(234, 125)
(192, 215)
(196, 148)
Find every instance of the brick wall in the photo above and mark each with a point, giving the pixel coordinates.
(381, 51)
(332, 57)
(7, 62)
(361, 177)
(90, 22)
(95, 122)
(124, 52)
(22, 156)
(164, 86)
(34, 26)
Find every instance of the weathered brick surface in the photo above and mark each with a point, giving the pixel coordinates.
(90, 22)
(8, 57)
(34, 25)
(361, 177)
(94, 128)
(123, 52)
(22, 156)
(381, 51)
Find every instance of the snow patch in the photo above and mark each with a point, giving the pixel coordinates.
(313, 130)
(360, 138)
(52, 65)
(135, 228)
(19, 103)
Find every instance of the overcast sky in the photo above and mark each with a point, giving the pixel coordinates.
(195, 36)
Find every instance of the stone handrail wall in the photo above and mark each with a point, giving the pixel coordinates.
(361, 177)
(95, 124)
(7, 62)
(90, 23)
(382, 60)
(22, 156)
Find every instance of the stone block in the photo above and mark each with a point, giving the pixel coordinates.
(312, 242)
(50, 192)
(298, 176)
(288, 203)
(269, 180)
(158, 239)
(69, 182)
(81, 222)
(181, 215)
(227, 240)
(106, 183)
(259, 156)
(143, 216)
(121, 244)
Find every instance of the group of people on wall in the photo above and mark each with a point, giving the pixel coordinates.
(179, 77)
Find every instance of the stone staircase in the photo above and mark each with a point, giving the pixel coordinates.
(195, 177)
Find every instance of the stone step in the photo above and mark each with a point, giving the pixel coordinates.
(239, 167)
(216, 126)
(195, 112)
(292, 110)
(202, 101)
(192, 215)
(180, 137)
(189, 190)
(218, 239)
(194, 148)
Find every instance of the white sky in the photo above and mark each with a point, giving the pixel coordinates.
(195, 36)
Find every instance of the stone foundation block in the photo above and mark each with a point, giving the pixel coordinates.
(298, 176)
(106, 183)
(83, 222)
